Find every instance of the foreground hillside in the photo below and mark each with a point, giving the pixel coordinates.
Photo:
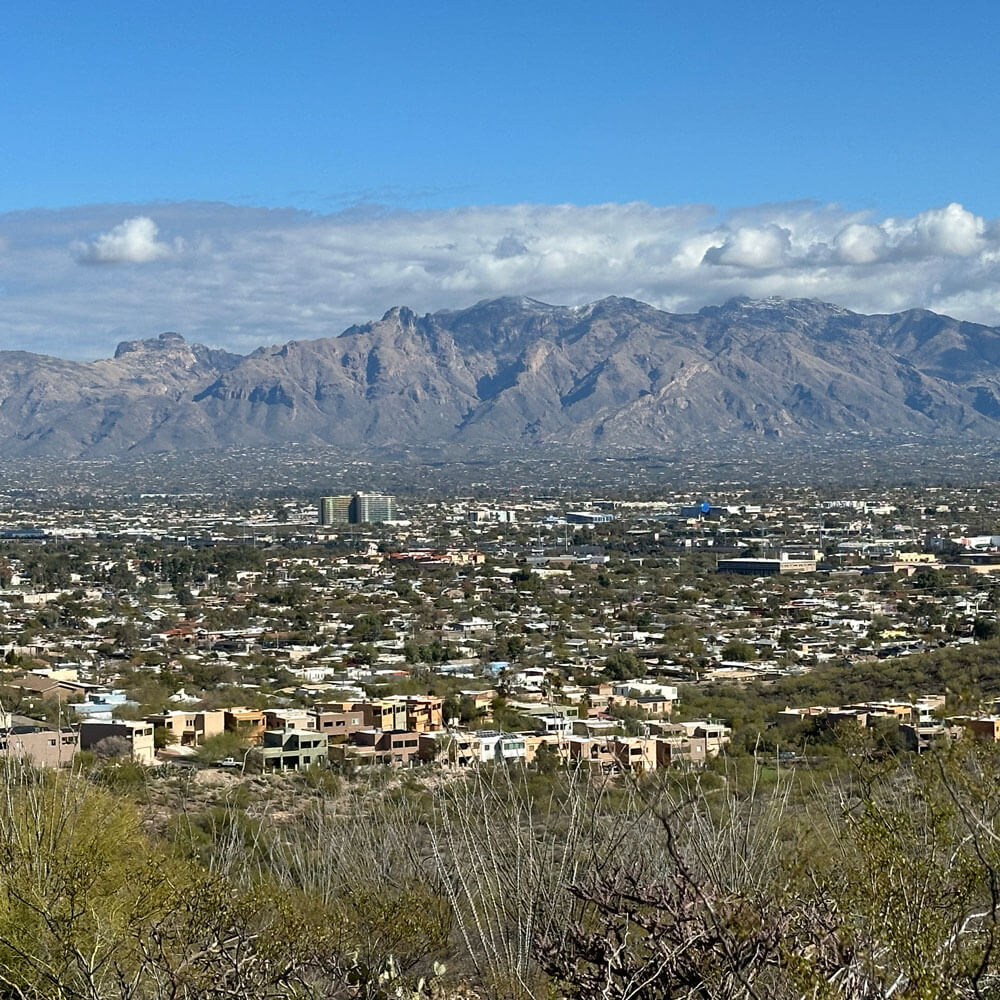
(521, 374)
(507, 885)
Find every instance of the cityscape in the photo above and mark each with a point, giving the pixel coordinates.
(232, 665)
(499, 501)
(362, 628)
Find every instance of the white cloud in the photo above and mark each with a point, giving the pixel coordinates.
(131, 242)
(860, 244)
(754, 248)
(949, 230)
(238, 277)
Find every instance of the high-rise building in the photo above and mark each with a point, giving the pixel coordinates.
(361, 508)
(371, 508)
(334, 510)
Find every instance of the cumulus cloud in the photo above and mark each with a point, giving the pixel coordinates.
(238, 277)
(131, 242)
(860, 244)
(949, 230)
(753, 248)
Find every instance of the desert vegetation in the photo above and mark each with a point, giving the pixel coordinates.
(880, 879)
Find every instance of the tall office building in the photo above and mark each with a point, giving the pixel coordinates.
(334, 510)
(371, 508)
(361, 508)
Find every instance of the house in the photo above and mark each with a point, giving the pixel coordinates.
(555, 723)
(499, 746)
(424, 713)
(613, 754)
(391, 748)
(190, 729)
(338, 725)
(291, 749)
(984, 727)
(678, 749)
(100, 704)
(138, 735)
(704, 738)
(289, 718)
(248, 723)
(381, 714)
(35, 743)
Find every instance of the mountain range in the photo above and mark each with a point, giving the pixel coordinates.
(516, 373)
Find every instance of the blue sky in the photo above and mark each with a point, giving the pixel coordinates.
(702, 150)
(890, 106)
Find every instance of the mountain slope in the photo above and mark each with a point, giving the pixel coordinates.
(519, 373)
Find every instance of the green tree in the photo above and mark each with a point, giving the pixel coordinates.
(623, 665)
(738, 650)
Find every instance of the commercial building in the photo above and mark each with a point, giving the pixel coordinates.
(787, 563)
(335, 510)
(359, 508)
(491, 516)
(372, 508)
(588, 517)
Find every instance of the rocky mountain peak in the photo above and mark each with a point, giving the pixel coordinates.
(402, 315)
(165, 342)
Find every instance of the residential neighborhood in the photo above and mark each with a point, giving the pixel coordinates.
(469, 631)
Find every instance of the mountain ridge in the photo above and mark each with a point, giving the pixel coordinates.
(518, 373)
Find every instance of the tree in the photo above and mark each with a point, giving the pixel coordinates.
(79, 877)
(547, 759)
(630, 717)
(623, 665)
(985, 628)
(220, 747)
(163, 737)
(738, 650)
